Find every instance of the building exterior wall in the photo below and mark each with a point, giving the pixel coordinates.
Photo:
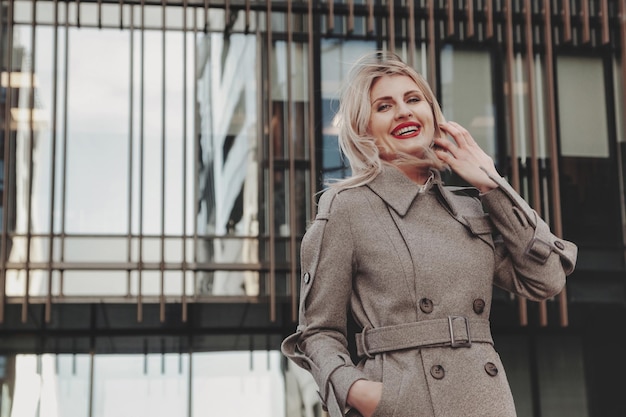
(160, 163)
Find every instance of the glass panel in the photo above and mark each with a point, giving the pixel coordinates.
(227, 96)
(515, 358)
(336, 60)
(580, 88)
(97, 132)
(157, 385)
(88, 249)
(153, 385)
(561, 376)
(95, 283)
(30, 83)
(88, 14)
(466, 94)
(23, 11)
(238, 384)
(589, 189)
(15, 285)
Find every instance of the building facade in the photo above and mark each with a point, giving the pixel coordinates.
(160, 161)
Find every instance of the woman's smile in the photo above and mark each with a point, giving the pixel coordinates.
(407, 130)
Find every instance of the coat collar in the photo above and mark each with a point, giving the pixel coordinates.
(399, 192)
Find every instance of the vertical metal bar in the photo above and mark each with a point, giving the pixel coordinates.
(330, 26)
(622, 31)
(552, 138)
(391, 27)
(99, 3)
(247, 24)
(55, 74)
(567, 20)
(291, 136)
(469, 12)
(65, 128)
(534, 158)
(7, 159)
(510, 101)
(370, 16)
(121, 2)
(163, 167)
(196, 150)
(184, 185)
(92, 357)
(77, 13)
(142, 49)
(584, 17)
(431, 46)
(131, 116)
(412, 42)
(510, 71)
(190, 380)
(489, 17)
(270, 178)
(226, 10)
(450, 17)
(206, 16)
(350, 16)
(311, 134)
(604, 16)
(31, 146)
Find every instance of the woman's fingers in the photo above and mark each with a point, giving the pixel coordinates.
(463, 155)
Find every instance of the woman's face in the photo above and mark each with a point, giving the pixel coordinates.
(401, 118)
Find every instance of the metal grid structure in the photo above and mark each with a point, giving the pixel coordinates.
(531, 28)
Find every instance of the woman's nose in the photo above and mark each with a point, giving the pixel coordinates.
(402, 111)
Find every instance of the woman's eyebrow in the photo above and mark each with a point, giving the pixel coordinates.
(385, 98)
(408, 93)
(412, 92)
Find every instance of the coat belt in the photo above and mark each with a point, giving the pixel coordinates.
(452, 331)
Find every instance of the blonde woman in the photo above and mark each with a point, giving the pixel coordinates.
(412, 261)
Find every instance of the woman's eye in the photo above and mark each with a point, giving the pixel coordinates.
(414, 100)
(383, 107)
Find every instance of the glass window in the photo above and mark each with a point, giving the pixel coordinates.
(561, 376)
(589, 188)
(336, 60)
(466, 93)
(228, 384)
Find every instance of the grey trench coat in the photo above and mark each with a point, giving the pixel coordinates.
(415, 270)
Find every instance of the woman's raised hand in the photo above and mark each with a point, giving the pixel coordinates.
(465, 157)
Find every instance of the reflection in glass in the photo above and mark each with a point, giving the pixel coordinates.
(589, 189)
(228, 183)
(228, 384)
(337, 58)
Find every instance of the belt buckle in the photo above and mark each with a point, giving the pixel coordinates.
(459, 343)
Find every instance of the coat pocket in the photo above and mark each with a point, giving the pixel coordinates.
(393, 381)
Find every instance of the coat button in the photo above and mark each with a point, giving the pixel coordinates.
(437, 371)
(559, 244)
(491, 369)
(306, 277)
(426, 305)
(479, 306)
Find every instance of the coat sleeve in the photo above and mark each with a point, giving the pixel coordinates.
(530, 260)
(320, 342)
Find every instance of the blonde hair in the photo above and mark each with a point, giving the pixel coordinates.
(354, 115)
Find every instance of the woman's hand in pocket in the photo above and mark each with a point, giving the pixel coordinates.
(365, 395)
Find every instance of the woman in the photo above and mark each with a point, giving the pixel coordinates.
(413, 262)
